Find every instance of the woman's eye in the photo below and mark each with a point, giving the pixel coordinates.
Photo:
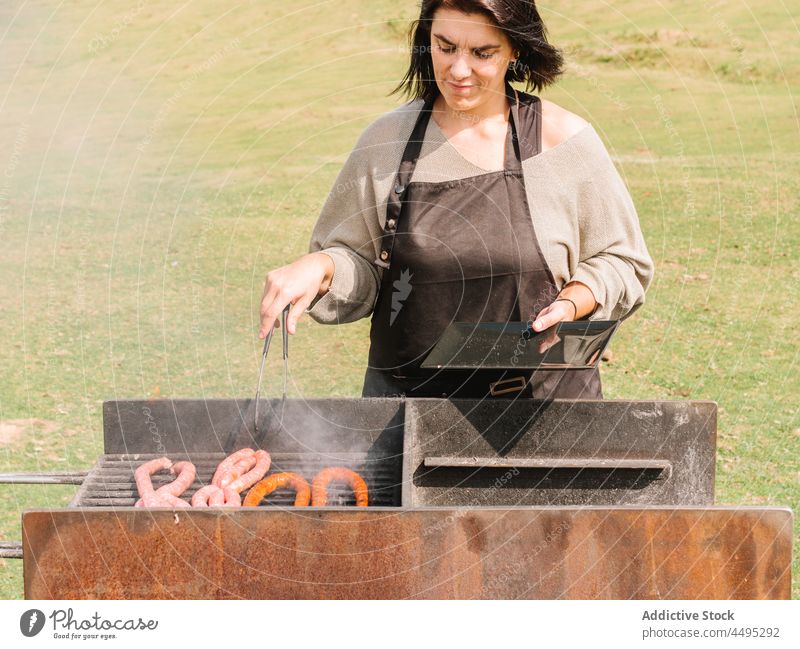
(484, 56)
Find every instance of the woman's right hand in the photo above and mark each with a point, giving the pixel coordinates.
(296, 284)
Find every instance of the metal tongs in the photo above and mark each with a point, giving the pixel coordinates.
(267, 340)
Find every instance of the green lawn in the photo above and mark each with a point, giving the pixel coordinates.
(156, 162)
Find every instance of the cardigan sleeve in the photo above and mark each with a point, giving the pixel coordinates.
(346, 230)
(613, 258)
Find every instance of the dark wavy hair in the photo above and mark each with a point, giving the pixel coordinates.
(539, 63)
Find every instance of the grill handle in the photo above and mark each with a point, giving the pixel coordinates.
(10, 549)
(13, 549)
(52, 477)
(548, 463)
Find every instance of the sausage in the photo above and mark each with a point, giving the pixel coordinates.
(319, 486)
(233, 466)
(174, 501)
(213, 496)
(209, 496)
(185, 473)
(232, 498)
(262, 462)
(239, 469)
(278, 481)
(161, 500)
(244, 465)
(167, 495)
(143, 473)
(238, 462)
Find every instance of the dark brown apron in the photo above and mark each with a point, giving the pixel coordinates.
(463, 251)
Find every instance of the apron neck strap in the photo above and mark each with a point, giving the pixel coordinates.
(513, 166)
(513, 158)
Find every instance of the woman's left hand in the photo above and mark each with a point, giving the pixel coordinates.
(574, 301)
(560, 311)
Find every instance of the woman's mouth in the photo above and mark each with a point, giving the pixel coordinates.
(459, 87)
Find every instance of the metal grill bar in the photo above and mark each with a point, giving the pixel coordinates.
(545, 463)
(10, 549)
(51, 477)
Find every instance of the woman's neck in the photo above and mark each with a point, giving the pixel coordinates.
(483, 117)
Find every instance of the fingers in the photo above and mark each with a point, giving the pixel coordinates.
(273, 303)
(297, 309)
(547, 318)
(271, 311)
(267, 317)
(296, 284)
(552, 315)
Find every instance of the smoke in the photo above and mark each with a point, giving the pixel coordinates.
(310, 435)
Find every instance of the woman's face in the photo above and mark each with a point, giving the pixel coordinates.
(470, 58)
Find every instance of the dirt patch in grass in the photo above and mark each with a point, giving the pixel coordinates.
(15, 430)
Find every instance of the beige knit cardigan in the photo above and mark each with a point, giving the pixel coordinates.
(583, 216)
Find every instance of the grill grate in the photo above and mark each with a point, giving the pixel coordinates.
(111, 483)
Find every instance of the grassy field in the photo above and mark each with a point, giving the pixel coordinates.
(156, 159)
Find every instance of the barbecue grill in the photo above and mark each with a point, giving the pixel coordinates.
(468, 499)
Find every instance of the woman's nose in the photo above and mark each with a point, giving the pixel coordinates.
(460, 68)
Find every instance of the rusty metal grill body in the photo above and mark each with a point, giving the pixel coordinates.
(467, 499)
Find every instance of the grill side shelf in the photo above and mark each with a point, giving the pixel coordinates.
(560, 452)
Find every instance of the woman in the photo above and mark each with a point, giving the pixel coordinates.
(473, 202)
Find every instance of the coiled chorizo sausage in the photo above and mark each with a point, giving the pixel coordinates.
(319, 486)
(278, 481)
